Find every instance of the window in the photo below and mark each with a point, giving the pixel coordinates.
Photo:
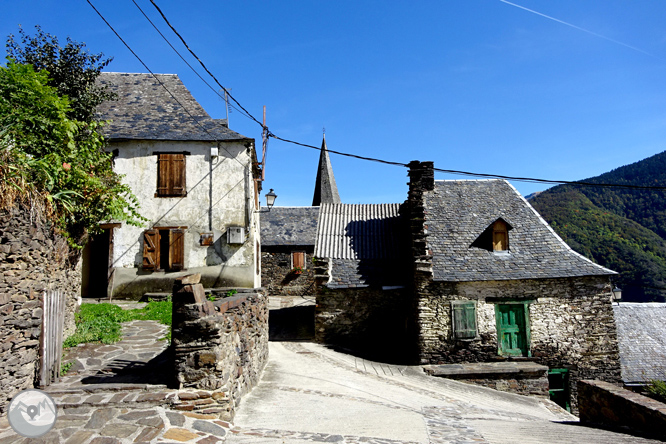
(464, 319)
(164, 249)
(298, 259)
(500, 236)
(171, 175)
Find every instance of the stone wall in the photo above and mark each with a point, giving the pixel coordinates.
(32, 259)
(276, 275)
(220, 347)
(366, 320)
(612, 406)
(570, 320)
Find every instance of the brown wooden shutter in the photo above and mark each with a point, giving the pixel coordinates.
(151, 249)
(176, 249)
(500, 236)
(298, 259)
(171, 174)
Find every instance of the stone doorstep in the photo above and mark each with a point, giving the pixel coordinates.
(488, 370)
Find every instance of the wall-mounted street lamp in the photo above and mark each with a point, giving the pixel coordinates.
(617, 294)
(270, 201)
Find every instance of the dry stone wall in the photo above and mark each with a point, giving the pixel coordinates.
(276, 275)
(220, 347)
(571, 324)
(367, 320)
(32, 259)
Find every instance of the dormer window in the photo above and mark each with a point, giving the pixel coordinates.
(500, 236)
(495, 238)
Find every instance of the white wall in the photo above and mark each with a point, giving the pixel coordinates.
(231, 187)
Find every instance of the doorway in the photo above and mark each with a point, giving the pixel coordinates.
(513, 338)
(96, 263)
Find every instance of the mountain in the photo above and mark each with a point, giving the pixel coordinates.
(620, 228)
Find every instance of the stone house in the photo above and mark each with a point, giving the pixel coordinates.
(196, 182)
(488, 280)
(288, 238)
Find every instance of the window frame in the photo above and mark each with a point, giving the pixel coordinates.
(171, 174)
(460, 317)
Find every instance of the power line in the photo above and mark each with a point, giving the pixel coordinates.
(202, 63)
(151, 72)
(181, 57)
(355, 156)
(194, 119)
(468, 173)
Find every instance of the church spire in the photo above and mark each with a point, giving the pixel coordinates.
(326, 191)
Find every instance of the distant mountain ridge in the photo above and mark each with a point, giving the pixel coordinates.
(620, 228)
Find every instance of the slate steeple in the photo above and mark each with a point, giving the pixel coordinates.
(326, 191)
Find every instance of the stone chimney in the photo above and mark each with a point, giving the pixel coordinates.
(421, 179)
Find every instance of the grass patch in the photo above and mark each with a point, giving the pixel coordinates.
(101, 322)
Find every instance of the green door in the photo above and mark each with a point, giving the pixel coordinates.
(512, 334)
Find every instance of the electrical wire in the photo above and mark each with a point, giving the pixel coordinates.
(355, 156)
(194, 119)
(248, 114)
(151, 72)
(181, 57)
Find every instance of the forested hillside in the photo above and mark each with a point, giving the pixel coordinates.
(619, 228)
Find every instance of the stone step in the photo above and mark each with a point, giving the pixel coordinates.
(125, 399)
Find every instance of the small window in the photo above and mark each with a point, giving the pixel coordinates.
(164, 249)
(298, 259)
(171, 175)
(464, 319)
(500, 236)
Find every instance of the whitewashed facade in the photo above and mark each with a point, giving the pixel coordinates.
(195, 182)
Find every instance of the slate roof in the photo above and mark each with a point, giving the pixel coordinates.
(364, 244)
(459, 211)
(641, 334)
(326, 190)
(289, 226)
(146, 111)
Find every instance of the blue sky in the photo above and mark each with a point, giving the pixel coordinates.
(473, 85)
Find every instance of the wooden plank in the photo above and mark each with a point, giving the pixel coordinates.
(151, 250)
(177, 249)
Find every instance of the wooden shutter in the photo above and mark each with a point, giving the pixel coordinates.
(176, 249)
(464, 320)
(298, 259)
(500, 236)
(171, 174)
(151, 250)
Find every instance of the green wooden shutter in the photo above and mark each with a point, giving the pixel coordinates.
(464, 320)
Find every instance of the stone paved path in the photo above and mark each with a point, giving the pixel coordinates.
(117, 394)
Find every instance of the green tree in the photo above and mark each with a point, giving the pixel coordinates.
(72, 69)
(44, 153)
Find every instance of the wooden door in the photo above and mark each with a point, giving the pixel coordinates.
(512, 337)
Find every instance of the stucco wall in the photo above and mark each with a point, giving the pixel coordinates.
(220, 194)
